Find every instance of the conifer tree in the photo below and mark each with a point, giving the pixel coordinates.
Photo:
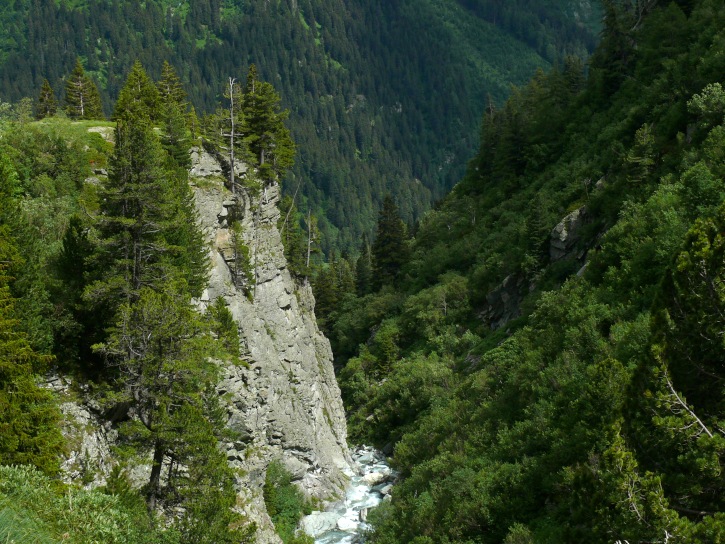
(390, 249)
(161, 348)
(138, 93)
(267, 138)
(47, 104)
(170, 87)
(135, 215)
(82, 99)
(364, 270)
(29, 431)
(174, 118)
(293, 239)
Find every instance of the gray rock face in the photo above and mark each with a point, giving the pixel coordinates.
(502, 303)
(88, 459)
(284, 401)
(565, 235)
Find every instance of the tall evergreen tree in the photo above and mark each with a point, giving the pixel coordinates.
(82, 100)
(170, 87)
(364, 270)
(46, 105)
(138, 93)
(265, 134)
(29, 432)
(174, 117)
(390, 249)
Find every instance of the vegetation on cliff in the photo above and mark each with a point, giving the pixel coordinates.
(101, 257)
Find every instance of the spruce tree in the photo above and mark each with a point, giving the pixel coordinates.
(390, 249)
(364, 270)
(161, 349)
(82, 99)
(174, 118)
(138, 93)
(47, 104)
(267, 138)
(29, 432)
(293, 239)
(170, 87)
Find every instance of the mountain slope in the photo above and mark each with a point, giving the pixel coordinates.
(547, 367)
(383, 95)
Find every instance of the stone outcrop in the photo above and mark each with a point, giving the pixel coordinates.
(284, 402)
(502, 303)
(566, 234)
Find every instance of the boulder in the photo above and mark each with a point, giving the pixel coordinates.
(318, 523)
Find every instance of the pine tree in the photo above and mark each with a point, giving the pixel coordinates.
(390, 249)
(267, 138)
(364, 270)
(82, 99)
(29, 432)
(138, 94)
(47, 104)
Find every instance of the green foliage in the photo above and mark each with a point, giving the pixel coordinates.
(224, 326)
(47, 105)
(285, 503)
(82, 100)
(28, 431)
(34, 510)
(385, 95)
(390, 249)
(596, 416)
(139, 95)
(242, 268)
(265, 135)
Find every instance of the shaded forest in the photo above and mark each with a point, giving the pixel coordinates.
(386, 96)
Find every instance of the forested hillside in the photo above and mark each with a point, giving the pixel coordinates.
(544, 358)
(384, 96)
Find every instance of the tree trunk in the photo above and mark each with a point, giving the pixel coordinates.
(155, 479)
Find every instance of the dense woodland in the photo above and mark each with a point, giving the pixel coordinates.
(596, 415)
(589, 409)
(386, 96)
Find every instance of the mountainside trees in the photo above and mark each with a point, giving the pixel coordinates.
(540, 394)
(29, 432)
(82, 100)
(356, 76)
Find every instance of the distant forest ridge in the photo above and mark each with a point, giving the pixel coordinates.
(385, 96)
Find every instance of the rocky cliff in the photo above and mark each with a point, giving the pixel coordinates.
(283, 400)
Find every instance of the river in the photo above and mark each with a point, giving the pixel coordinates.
(345, 523)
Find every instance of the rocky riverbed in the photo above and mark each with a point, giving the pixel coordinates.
(345, 522)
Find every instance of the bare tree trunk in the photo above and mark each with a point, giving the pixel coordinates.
(231, 135)
(155, 479)
(309, 239)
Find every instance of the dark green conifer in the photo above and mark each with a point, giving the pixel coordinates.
(390, 249)
(82, 99)
(138, 94)
(29, 432)
(364, 269)
(170, 87)
(47, 105)
(174, 118)
(267, 138)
